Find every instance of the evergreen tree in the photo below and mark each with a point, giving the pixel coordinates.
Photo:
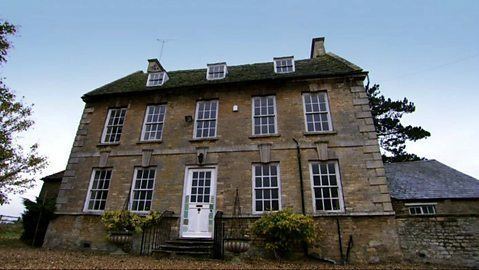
(35, 220)
(392, 134)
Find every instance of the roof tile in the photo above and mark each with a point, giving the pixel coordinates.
(429, 179)
(325, 65)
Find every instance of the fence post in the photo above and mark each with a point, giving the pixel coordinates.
(218, 249)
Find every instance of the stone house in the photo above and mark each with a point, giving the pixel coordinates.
(437, 210)
(287, 134)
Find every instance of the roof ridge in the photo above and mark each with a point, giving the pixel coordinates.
(344, 61)
(410, 161)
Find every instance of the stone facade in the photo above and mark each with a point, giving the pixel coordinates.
(352, 143)
(451, 236)
(49, 190)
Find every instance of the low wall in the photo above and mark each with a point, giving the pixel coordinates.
(374, 237)
(77, 232)
(440, 239)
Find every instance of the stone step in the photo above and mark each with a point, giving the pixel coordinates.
(206, 242)
(166, 253)
(185, 247)
(197, 247)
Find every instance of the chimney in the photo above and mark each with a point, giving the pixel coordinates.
(154, 66)
(317, 47)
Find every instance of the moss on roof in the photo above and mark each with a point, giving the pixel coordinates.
(323, 66)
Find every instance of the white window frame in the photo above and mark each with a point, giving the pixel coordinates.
(339, 184)
(90, 185)
(196, 118)
(163, 75)
(253, 116)
(421, 207)
(105, 127)
(145, 123)
(276, 66)
(253, 188)
(328, 112)
(133, 189)
(225, 71)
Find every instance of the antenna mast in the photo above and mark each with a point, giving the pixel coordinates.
(163, 41)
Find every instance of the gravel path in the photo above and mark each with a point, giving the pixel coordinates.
(13, 254)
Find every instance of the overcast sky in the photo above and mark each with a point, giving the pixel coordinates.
(426, 51)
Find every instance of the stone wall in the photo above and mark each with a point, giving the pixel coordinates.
(50, 189)
(353, 143)
(452, 240)
(374, 239)
(443, 207)
(77, 232)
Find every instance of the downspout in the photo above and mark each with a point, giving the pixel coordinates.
(305, 246)
(298, 155)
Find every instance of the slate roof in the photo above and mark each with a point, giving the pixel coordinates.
(326, 65)
(56, 177)
(429, 179)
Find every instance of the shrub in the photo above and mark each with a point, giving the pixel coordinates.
(283, 229)
(126, 221)
(153, 218)
(121, 221)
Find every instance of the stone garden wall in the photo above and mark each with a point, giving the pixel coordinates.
(441, 239)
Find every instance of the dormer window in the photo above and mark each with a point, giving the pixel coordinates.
(284, 64)
(157, 78)
(216, 71)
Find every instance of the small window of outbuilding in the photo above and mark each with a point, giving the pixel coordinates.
(421, 208)
(216, 71)
(284, 64)
(157, 78)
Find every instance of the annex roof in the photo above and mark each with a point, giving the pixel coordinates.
(326, 65)
(429, 179)
(56, 177)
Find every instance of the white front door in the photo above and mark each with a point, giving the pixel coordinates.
(199, 203)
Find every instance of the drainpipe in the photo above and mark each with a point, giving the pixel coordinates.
(298, 155)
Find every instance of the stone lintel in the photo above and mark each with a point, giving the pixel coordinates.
(103, 158)
(264, 152)
(322, 150)
(146, 157)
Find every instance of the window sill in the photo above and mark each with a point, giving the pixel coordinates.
(315, 133)
(329, 213)
(93, 212)
(204, 139)
(107, 144)
(149, 142)
(264, 136)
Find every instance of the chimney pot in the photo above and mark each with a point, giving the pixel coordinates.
(317, 47)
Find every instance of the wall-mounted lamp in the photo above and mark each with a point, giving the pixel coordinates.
(188, 118)
(235, 108)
